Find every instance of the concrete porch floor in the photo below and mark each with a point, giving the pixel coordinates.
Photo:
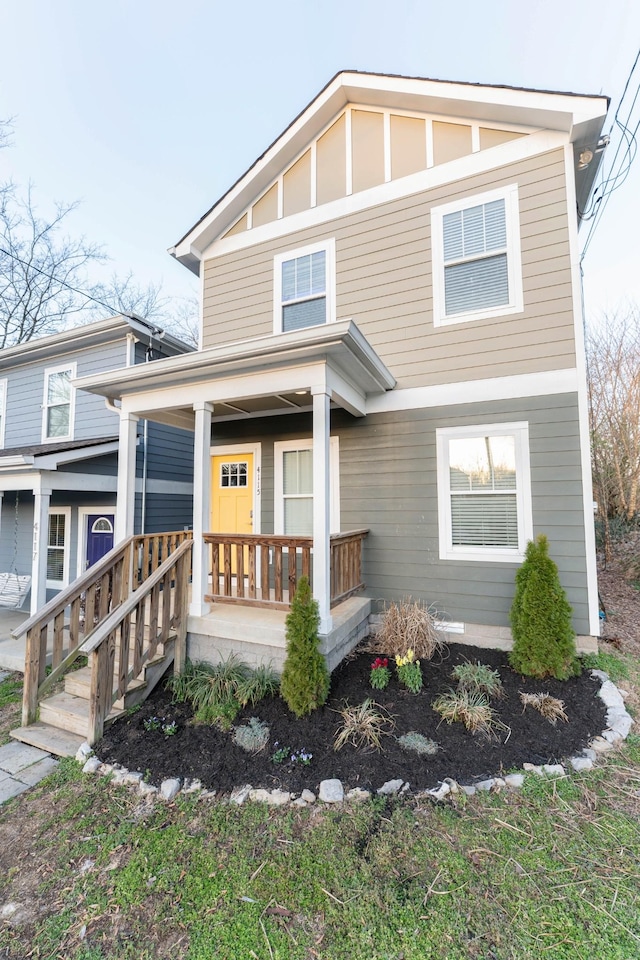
(12, 652)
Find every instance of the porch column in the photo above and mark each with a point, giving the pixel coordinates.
(321, 515)
(42, 499)
(126, 496)
(201, 507)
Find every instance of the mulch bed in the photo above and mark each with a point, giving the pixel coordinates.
(208, 754)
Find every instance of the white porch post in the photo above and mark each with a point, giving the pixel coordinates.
(201, 507)
(42, 499)
(321, 515)
(126, 496)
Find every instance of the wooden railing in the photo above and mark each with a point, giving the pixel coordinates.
(132, 632)
(89, 599)
(263, 570)
(152, 549)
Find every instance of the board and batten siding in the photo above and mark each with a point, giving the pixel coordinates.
(384, 283)
(25, 394)
(398, 502)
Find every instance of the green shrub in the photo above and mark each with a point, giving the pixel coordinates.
(304, 685)
(543, 637)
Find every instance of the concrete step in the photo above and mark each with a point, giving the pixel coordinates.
(70, 713)
(52, 739)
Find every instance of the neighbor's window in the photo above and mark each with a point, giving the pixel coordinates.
(304, 291)
(476, 258)
(58, 403)
(58, 547)
(484, 496)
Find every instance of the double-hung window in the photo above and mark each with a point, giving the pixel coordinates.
(293, 482)
(484, 492)
(58, 541)
(58, 406)
(304, 288)
(477, 270)
(3, 410)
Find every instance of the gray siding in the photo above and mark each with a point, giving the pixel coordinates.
(169, 453)
(397, 501)
(166, 513)
(25, 393)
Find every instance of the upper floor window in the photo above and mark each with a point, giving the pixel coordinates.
(304, 288)
(3, 410)
(484, 492)
(477, 270)
(57, 419)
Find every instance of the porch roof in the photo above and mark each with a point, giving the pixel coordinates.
(249, 378)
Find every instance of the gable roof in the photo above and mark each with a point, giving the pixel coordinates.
(579, 115)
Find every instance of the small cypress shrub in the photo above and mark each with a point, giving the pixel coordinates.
(543, 636)
(304, 684)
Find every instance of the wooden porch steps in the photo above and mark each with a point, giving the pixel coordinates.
(64, 717)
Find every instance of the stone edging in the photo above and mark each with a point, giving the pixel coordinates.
(619, 724)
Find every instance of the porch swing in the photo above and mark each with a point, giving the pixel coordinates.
(14, 587)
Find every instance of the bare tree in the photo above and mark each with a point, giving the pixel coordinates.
(42, 270)
(613, 351)
(178, 316)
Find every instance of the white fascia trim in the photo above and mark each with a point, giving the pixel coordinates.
(545, 384)
(84, 482)
(508, 193)
(593, 602)
(60, 368)
(329, 248)
(83, 513)
(305, 443)
(513, 151)
(448, 551)
(227, 449)
(60, 584)
(51, 461)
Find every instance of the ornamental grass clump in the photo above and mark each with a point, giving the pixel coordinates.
(218, 691)
(253, 736)
(304, 685)
(363, 726)
(409, 672)
(543, 635)
(551, 708)
(380, 674)
(478, 678)
(415, 742)
(408, 625)
(471, 709)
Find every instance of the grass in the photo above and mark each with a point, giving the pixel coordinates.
(363, 726)
(550, 707)
(551, 871)
(472, 709)
(217, 692)
(478, 678)
(408, 625)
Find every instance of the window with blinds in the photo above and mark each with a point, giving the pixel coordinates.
(58, 403)
(475, 258)
(477, 270)
(56, 543)
(297, 492)
(304, 287)
(484, 492)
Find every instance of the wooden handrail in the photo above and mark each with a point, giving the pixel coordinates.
(62, 600)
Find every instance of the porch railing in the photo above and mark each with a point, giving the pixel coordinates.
(66, 620)
(263, 570)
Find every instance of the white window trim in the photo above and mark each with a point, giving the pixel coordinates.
(83, 514)
(306, 443)
(66, 512)
(514, 257)
(329, 247)
(449, 551)
(72, 368)
(3, 411)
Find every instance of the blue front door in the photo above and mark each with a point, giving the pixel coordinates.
(99, 536)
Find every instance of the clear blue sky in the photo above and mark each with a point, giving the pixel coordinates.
(147, 111)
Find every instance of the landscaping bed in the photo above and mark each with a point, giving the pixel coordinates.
(207, 753)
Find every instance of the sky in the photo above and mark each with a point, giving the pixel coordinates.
(148, 111)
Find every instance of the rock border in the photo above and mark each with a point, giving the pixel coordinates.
(331, 792)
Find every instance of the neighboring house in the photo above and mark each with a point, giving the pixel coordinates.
(59, 454)
(392, 340)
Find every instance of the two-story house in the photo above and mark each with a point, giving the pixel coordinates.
(391, 343)
(59, 455)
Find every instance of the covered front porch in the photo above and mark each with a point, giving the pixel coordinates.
(256, 567)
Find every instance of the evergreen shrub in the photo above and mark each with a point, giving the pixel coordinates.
(304, 685)
(543, 636)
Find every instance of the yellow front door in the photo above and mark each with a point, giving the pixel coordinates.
(232, 498)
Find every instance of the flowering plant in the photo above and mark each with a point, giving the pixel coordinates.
(380, 676)
(409, 672)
